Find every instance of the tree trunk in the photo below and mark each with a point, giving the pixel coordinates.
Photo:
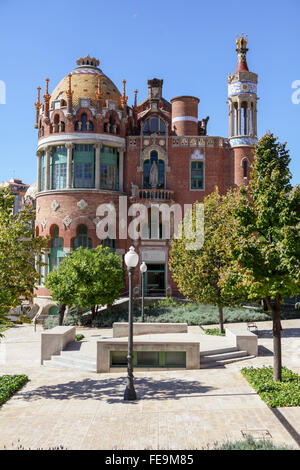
(61, 311)
(93, 310)
(276, 314)
(221, 322)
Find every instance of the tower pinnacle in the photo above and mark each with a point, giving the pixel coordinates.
(242, 50)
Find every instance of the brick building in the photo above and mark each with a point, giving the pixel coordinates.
(95, 149)
(19, 189)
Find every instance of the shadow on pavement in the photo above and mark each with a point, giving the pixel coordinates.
(111, 390)
(285, 333)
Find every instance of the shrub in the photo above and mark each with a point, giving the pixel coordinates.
(284, 393)
(79, 337)
(10, 384)
(213, 331)
(249, 443)
(50, 322)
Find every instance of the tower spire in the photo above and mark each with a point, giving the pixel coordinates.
(124, 98)
(241, 49)
(37, 107)
(135, 98)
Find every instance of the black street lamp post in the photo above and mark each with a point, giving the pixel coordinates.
(131, 261)
(143, 269)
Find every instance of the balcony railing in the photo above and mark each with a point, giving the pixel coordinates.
(155, 194)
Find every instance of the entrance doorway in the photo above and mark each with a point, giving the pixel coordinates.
(155, 280)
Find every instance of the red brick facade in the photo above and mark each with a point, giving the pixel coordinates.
(160, 153)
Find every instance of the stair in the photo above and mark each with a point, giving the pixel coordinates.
(73, 360)
(221, 357)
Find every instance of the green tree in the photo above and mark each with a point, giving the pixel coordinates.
(18, 251)
(87, 278)
(267, 252)
(197, 272)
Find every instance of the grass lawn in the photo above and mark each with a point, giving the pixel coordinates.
(9, 385)
(275, 394)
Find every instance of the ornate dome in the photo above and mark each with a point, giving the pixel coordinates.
(85, 83)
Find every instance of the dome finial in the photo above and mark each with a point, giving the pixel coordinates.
(88, 61)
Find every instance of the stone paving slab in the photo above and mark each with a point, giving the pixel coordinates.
(175, 409)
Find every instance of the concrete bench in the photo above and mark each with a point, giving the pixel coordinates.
(53, 341)
(121, 329)
(243, 339)
(105, 346)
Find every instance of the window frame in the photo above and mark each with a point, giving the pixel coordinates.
(203, 163)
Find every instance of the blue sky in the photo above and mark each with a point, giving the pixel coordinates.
(191, 45)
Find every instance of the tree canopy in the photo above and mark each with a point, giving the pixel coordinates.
(267, 249)
(198, 272)
(18, 252)
(87, 278)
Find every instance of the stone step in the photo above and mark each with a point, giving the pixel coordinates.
(61, 365)
(73, 360)
(222, 355)
(218, 351)
(77, 355)
(223, 362)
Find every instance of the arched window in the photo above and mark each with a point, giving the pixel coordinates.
(91, 126)
(84, 122)
(57, 249)
(82, 239)
(245, 168)
(154, 125)
(147, 170)
(109, 243)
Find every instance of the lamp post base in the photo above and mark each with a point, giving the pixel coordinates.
(129, 394)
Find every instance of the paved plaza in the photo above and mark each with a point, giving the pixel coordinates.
(188, 409)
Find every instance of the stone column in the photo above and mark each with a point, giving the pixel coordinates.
(39, 176)
(239, 129)
(97, 165)
(249, 110)
(254, 120)
(47, 176)
(236, 121)
(69, 147)
(121, 168)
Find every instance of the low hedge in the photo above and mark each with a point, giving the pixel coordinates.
(9, 385)
(275, 394)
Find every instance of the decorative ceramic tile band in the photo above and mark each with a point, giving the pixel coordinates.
(242, 87)
(243, 141)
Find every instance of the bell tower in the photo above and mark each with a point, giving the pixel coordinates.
(242, 99)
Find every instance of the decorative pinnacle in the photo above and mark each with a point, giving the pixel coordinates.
(135, 98)
(124, 97)
(241, 49)
(241, 43)
(46, 95)
(38, 103)
(99, 93)
(69, 91)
